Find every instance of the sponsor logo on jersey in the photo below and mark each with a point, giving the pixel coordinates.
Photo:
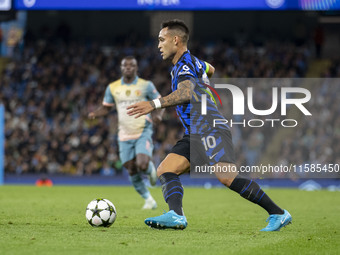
(185, 70)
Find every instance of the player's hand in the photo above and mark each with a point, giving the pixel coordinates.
(140, 109)
(91, 116)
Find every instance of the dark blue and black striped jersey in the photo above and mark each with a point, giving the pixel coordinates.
(191, 68)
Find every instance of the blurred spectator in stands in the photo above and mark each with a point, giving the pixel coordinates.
(300, 33)
(1, 39)
(49, 91)
(319, 39)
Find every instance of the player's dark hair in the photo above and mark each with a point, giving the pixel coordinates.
(176, 24)
(130, 57)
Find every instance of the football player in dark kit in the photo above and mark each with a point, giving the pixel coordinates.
(186, 86)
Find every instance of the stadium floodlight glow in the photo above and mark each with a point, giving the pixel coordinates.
(5, 5)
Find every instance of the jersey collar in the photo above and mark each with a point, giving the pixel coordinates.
(134, 82)
(180, 58)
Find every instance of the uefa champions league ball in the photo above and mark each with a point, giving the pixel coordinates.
(100, 213)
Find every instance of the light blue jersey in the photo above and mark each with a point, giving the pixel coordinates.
(135, 135)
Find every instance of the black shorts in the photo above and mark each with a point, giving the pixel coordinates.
(206, 149)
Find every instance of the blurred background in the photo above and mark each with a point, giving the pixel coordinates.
(57, 57)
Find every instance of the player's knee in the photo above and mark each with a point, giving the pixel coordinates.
(142, 162)
(226, 181)
(226, 178)
(160, 171)
(130, 168)
(143, 166)
(173, 164)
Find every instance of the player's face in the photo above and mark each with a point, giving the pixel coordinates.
(129, 68)
(166, 44)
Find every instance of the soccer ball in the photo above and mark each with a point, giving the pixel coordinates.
(100, 213)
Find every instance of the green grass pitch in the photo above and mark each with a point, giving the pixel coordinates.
(43, 220)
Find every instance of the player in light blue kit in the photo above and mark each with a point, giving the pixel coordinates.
(135, 135)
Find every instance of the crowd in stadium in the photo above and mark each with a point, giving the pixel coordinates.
(317, 141)
(49, 89)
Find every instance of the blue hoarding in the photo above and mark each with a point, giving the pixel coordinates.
(177, 4)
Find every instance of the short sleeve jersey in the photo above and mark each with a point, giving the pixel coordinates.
(122, 95)
(188, 67)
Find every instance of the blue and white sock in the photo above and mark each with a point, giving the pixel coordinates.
(151, 168)
(251, 191)
(139, 185)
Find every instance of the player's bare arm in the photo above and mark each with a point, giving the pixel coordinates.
(180, 96)
(100, 111)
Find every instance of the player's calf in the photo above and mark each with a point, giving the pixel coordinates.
(172, 191)
(251, 191)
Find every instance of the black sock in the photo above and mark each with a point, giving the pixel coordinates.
(251, 191)
(172, 191)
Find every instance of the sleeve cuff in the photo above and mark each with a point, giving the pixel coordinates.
(206, 67)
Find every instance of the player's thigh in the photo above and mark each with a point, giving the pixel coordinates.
(219, 151)
(178, 160)
(215, 150)
(173, 163)
(143, 150)
(217, 146)
(127, 151)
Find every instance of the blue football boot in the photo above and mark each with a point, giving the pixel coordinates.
(277, 221)
(167, 220)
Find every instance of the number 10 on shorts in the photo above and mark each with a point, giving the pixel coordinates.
(209, 142)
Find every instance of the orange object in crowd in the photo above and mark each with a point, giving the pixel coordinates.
(44, 182)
